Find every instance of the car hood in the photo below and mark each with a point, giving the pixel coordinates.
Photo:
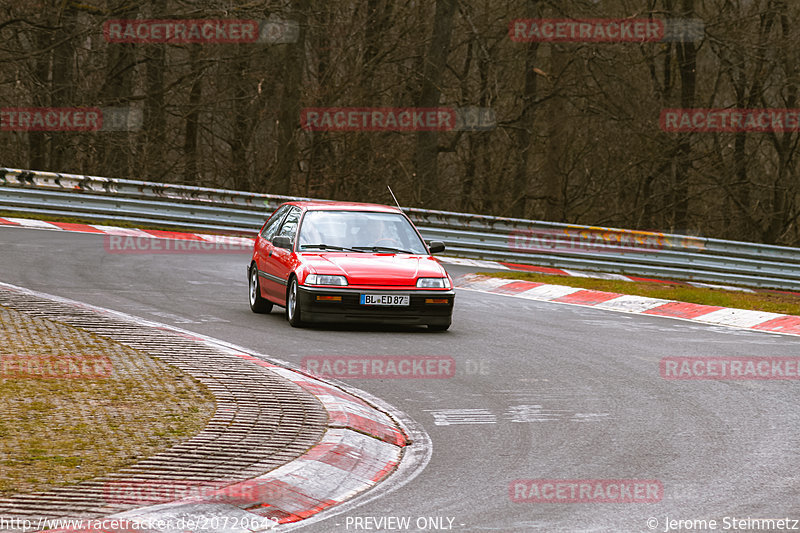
(376, 269)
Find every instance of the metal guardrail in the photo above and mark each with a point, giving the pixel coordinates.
(630, 252)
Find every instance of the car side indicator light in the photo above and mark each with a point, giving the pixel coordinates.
(329, 298)
(436, 300)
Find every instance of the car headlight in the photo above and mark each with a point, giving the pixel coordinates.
(324, 279)
(433, 283)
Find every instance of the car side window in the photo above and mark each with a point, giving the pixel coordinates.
(289, 227)
(272, 226)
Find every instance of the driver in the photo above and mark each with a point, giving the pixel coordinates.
(376, 232)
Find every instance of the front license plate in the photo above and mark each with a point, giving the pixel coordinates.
(385, 299)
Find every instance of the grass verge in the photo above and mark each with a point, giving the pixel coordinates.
(772, 302)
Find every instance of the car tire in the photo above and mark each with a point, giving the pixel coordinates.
(438, 327)
(258, 304)
(293, 312)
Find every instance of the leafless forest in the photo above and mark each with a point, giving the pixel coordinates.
(577, 137)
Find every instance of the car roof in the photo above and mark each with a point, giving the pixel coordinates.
(344, 206)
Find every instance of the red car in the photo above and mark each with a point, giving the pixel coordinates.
(341, 261)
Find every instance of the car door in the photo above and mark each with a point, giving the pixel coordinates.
(263, 245)
(279, 261)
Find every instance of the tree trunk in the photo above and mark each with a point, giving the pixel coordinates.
(155, 120)
(190, 140)
(687, 66)
(62, 156)
(553, 173)
(427, 142)
(524, 130)
(114, 152)
(289, 115)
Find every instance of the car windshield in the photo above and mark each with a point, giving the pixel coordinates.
(359, 231)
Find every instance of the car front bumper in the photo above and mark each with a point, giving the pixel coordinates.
(349, 308)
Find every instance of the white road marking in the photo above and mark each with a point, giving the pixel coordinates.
(590, 417)
(532, 413)
(538, 413)
(526, 413)
(448, 417)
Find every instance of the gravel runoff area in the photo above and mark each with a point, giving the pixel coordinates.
(146, 416)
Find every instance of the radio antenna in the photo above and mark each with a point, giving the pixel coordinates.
(393, 196)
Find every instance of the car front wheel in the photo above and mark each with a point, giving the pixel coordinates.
(257, 303)
(293, 313)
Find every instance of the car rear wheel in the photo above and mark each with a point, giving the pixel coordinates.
(293, 313)
(257, 303)
(438, 327)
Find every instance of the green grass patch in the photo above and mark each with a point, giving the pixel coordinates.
(760, 301)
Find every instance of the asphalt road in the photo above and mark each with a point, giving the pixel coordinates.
(542, 391)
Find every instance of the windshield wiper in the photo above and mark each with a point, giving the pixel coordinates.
(384, 249)
(328, 247)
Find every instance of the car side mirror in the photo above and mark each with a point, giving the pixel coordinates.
(282, 241)
(436, 247)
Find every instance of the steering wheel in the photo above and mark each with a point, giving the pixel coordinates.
(392, 243)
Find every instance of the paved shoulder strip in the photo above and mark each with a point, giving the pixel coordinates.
(362, 441)
(721, 316)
